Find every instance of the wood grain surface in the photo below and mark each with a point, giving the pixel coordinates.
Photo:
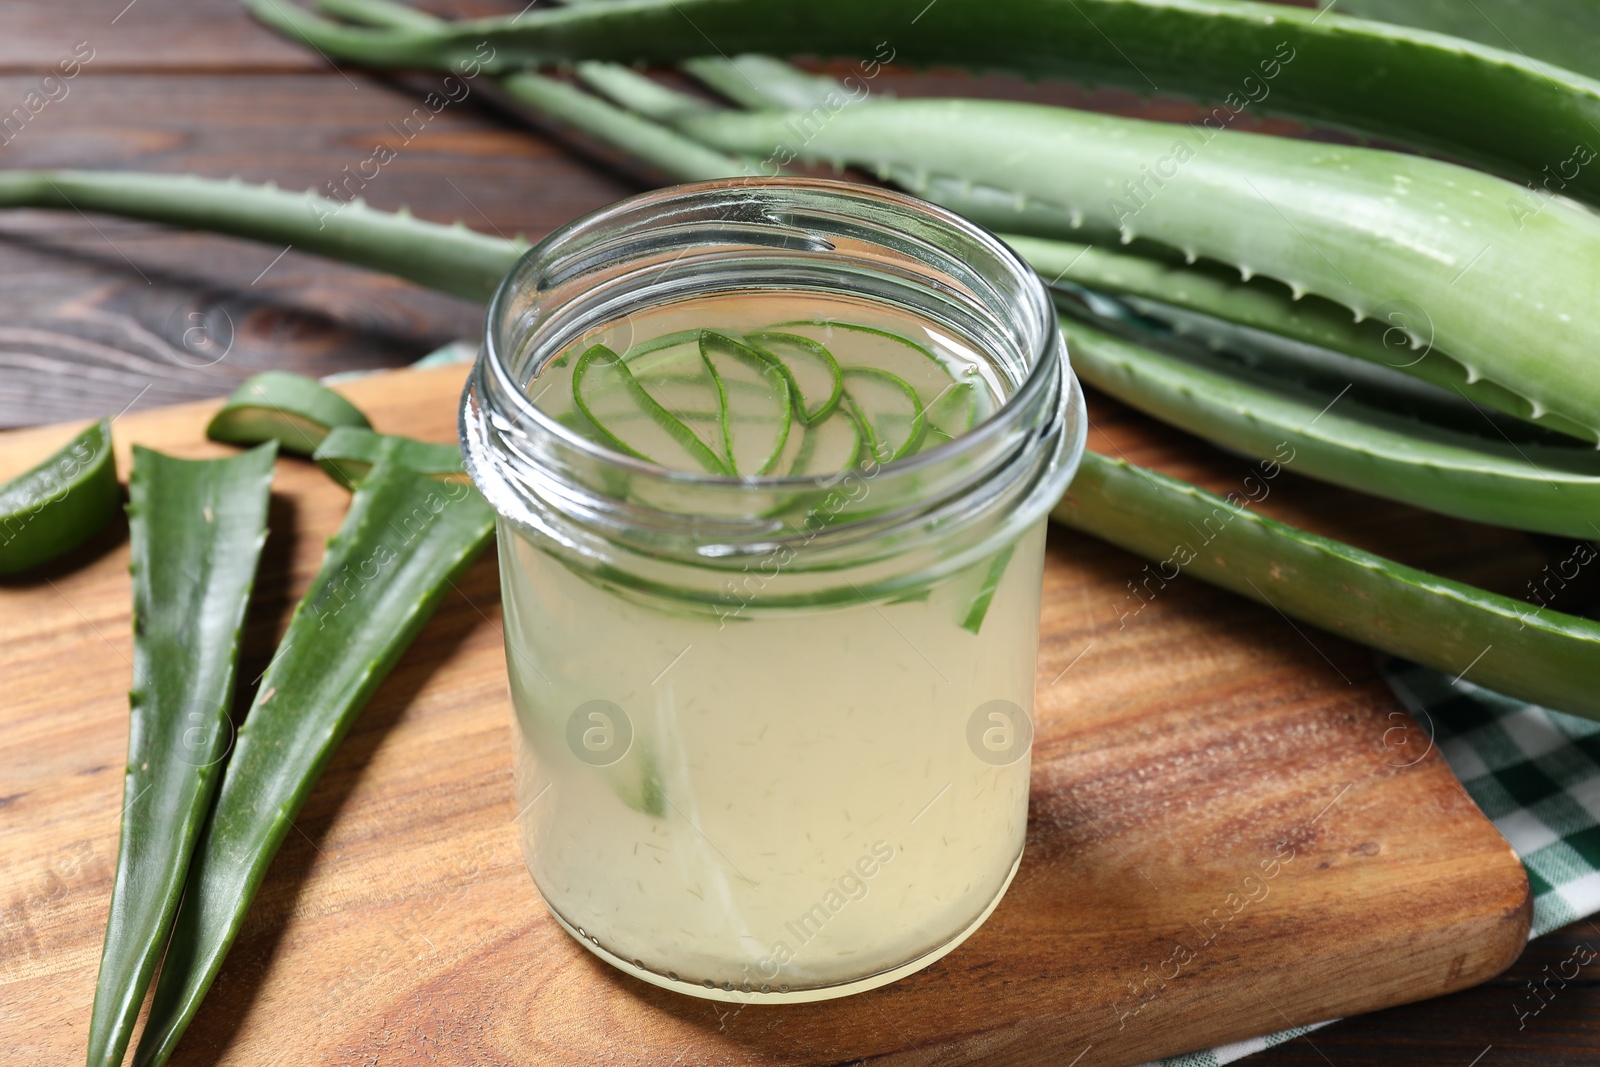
(1178, 753)
(103, 313)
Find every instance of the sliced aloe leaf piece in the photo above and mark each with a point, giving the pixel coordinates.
(348, 453)
(776, 343)
(196, 529)
(601, 365)
(771, 378)
(637, 782)
(996, 570)
(56, 506)
(890, 434)
(1507, 645)
(291, 409)
(954, 411)
(403, 542)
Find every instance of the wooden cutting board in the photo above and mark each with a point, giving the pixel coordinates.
(1234, 829)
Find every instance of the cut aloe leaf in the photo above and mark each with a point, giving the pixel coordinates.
(291, 409)
(873, 395)
(601, 374)
(404, 541)
(349, 453)
(810, 368)
(637, 782)
(732, 364)
(196, 529)
(991, 582)
(58, 505)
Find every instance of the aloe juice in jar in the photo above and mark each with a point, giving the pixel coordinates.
(772, 461)
(777, 819)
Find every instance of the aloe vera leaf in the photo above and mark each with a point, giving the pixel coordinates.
(348, 453)
(1261, 304)
(635, 128)
(1413, 86)
(1392, 338)
(1282, 359)
(1562, 32)
(647, 141)
(404, 540)
(52, 508)
(291, 409)
(639, 94)
(1504, 644)
(196, 529)
(656, 145)
(757, 81)
(1525, 487)
(1361, 227)
(452, 258)
(1400, 335)
(1323, 371)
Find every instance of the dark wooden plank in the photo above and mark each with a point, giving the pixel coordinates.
(217, 36)
(97, 313)
(197, 36)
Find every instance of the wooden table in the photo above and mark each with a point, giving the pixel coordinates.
(98, 314)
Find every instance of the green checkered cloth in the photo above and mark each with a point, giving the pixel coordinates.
(1534, 772)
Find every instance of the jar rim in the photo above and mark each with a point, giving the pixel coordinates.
(495, 361)
(592, 503)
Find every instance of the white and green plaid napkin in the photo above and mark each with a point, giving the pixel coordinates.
(1534, 772)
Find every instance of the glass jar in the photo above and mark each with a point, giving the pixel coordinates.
(772, 733)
